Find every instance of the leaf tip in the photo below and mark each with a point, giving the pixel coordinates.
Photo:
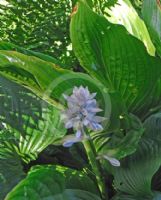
(74, 11)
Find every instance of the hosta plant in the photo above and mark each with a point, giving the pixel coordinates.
(89, 134)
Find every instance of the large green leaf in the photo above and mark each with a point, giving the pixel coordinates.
(124, 13)
(47, 80)
(31, 123)
(151, 11)
(119, 60)
(135, 175)
(49, 182)
(11, 173)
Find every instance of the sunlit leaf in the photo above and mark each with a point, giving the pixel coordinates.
(124, 13)
(50, 182)
(116, 58)
(151, 11)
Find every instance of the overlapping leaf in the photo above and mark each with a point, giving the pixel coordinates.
(12, 47)
(29, 123)
(151, 11)
(44, 78)
(134, 177)
(11, 173)
(121, 142)
(49, 182)
(119, 60)
(124, 13)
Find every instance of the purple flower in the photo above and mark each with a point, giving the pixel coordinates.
(81, 112)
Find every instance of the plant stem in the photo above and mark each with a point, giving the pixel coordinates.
(96, 167)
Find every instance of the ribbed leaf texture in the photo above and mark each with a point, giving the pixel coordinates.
(11, 173)
(28, 124)
(119, 60)
(134, 177)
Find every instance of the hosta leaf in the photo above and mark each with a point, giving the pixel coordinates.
(124, 13)
(47, 80)
(156, 196)
(12, 47)
(79, 195)
(135, 175)
(11, 173)
(120, 61)
(151, 11)
(117, 144)
(49, 182)
(29, 123)
(11, 170)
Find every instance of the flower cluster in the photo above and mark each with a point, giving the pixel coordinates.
(81, 112)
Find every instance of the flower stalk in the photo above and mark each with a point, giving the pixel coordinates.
(96, 167)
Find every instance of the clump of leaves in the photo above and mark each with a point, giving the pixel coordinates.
(126, 78)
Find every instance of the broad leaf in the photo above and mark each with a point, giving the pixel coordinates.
(135, 175)
(49, 182)
(151, 11)
(47, 80)
(11, 173)
(121, 142)
(30, 123)
(116, 58)
(124, 13)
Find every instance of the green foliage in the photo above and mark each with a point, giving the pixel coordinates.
(116, 144)
(13, 47)
(135, 175)
(115, 64)
(124, 13)
(40, 26)
(111, 55)
(30, 122)
(151, 12)
(11, 173)
(45, 79)
(54, 182)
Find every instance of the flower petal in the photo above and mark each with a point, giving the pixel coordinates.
(69, 124)
(113, 161)
(79, 134)
(68, 144)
